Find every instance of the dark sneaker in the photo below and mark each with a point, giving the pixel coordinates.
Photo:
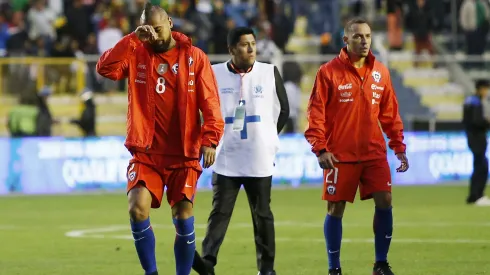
(382, 268)
(336, 271)
(267, 273)
(202, 266)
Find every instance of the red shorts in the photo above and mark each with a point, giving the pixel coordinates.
(340, 183)
(153, 172)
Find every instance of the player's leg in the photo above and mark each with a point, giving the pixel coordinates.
(376, 184)
(478, 179)
(259, 197)
(181, 187)
(225, 192)
(340, 185)
(141, 180)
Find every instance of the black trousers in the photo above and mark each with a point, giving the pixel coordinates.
(225, 192)
(479, 176)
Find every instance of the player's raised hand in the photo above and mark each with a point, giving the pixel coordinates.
(145, 33)
(209, 156)
(327, 160)
(402, 157)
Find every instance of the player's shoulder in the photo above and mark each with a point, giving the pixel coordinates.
(263, 64)
(328, 68)
(219, 66)
(264, 67)
(197, 53)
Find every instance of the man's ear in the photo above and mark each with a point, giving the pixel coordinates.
(345, 38)
(231, 50)
(171, 23)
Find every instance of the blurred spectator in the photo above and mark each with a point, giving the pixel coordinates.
(281, 27)
(265, 46)
(17, 40)
(86, 122)
(420, 23)
(292, 83)
(41, 22)
(221, 25)
(109, 36)
(78, 22)
(323, 21)
(473, 18)
(4, 35)
(22, 119)
(199, 16)
(394, 22)
(241, 12)
(44, 118)
(32, 116)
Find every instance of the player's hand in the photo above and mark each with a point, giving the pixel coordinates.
(326, 160)
(146, 33)
(209, 156)
(402, 157)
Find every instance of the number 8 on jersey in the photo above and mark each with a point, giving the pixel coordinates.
(160, 86)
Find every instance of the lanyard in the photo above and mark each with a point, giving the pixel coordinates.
(242, 74)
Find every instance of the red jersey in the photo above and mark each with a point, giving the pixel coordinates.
(194, 89)
(362, 71)
(167, 137)
(347, 107)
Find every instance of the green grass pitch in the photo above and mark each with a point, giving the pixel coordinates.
(436, 233)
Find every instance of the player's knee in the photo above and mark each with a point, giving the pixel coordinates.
(182, 210)
(139, 200)
(382, 199)
(336, 209)
(138, 212)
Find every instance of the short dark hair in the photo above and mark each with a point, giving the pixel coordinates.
(354, 21)
(235, 34)
(482, 83)
(149, 9)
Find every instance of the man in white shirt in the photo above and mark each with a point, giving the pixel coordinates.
(255, 106)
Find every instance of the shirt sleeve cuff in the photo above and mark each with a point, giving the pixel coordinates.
(321, 152)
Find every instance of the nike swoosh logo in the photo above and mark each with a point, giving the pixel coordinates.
(191, 242)
(331, 252)
(387, 237)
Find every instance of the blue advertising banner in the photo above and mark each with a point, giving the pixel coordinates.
(60, 165)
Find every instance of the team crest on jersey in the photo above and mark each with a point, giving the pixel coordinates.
(331, 190)
(376, 76)
(175, 67)
(162, 68)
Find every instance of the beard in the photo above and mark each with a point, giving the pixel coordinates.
(160, 46)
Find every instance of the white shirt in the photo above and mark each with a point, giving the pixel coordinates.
(251, 151)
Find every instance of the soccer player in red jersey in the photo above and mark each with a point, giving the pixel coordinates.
(351, 105)
(169, 81)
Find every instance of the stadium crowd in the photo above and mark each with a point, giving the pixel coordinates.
(61, 28)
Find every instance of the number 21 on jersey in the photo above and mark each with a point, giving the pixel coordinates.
(332, 176)
(160, 86)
